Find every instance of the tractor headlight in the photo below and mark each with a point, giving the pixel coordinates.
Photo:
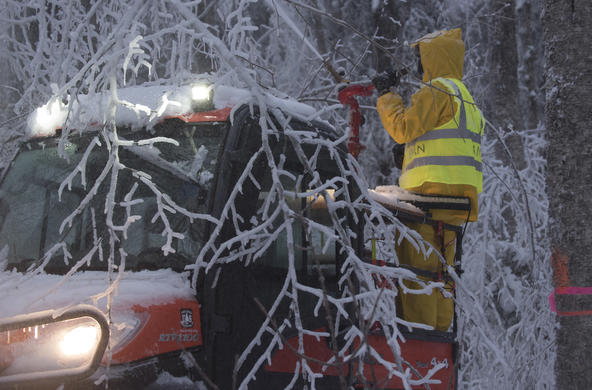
(79, 341)
(201, 92)
(202, 97)
(45, 120)
(40, 347)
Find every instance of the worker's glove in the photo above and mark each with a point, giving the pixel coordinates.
(398, 155)
(385, 81)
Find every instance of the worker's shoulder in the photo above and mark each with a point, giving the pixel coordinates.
(435, 86)
(434, 91)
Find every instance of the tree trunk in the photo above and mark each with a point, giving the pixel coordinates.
(529, 69)
(503, 88)
(568, 54)
(504, 63)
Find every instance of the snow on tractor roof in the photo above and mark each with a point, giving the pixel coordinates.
(144, 106)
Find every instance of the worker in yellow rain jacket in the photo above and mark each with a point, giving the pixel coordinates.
(441, 130)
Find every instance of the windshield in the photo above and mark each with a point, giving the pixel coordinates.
(31, 212)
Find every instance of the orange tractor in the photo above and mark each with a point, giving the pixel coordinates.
(196, 335)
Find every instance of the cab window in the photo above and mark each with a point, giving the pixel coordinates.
(313, 247)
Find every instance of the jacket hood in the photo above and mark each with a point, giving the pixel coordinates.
(442, 54)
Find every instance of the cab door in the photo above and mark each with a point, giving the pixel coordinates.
(239, 296)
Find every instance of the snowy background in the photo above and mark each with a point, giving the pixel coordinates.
(277, 53)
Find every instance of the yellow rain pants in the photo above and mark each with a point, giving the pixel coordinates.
(434, 309)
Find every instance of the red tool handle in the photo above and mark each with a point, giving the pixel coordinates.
(347, 97)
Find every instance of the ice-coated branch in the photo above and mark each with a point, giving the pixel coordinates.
(80, 169)
(90, 194)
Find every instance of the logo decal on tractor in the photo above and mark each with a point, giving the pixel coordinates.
(186, 318)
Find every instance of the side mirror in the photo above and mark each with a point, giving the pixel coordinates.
(52, 345)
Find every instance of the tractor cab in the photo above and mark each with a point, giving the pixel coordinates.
(52, 229)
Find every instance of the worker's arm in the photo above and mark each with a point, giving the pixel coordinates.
(430, 108)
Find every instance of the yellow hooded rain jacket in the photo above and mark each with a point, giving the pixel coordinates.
(434, 106)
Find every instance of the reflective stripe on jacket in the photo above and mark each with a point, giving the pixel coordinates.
(449, 153)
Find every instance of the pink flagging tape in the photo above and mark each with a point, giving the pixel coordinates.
(569, 291)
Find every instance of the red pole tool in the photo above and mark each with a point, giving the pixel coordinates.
(347, 97)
